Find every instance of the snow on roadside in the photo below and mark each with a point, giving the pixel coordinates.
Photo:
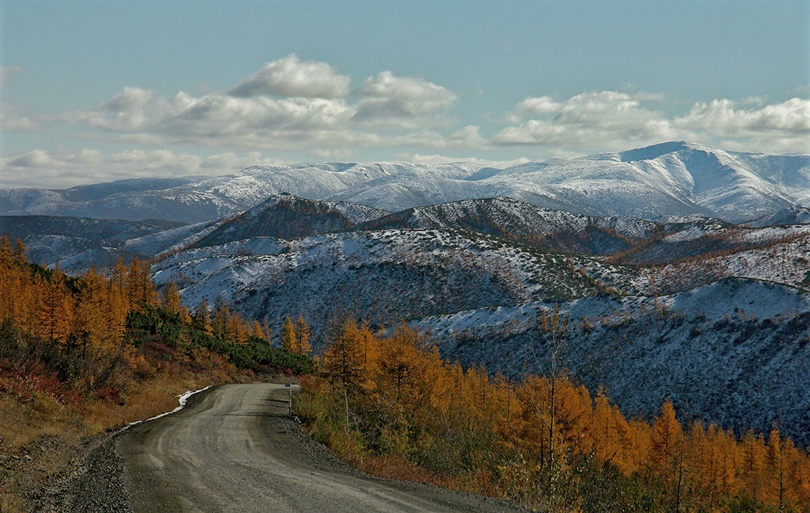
(182, 399)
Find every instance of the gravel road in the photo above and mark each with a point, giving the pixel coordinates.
(233, 448)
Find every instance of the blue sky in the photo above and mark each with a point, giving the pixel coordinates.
(103, 90)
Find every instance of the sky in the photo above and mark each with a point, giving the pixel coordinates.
(94, 91)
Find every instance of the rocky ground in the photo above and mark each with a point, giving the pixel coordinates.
(92, 482)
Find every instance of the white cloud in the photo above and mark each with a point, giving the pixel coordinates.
(540, 106)
(339, 154)
(611, 120)
(222, 162)
(729, 118)
(406, 89)
(11, 120)
(606, 119)
(392, 110)
(751, 125)
(40, 168)
(469, 137)
(403, 101)
(444, 159)
(213, 119)
(291, 77)
(307, 107)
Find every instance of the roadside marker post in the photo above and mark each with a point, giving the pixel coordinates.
(289, 408)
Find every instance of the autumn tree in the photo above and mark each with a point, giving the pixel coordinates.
(343, 357)
(302, 334)
(667, 451)
(202, 318)
(139, 288)
(236, 329)
(55, 309)
(257, 331)
(394, 397)
(219, 317)
(775, 465)
(754, 463)
(288, 339)
(553, 329)
(171, 301)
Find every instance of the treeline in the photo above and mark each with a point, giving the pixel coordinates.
(391, 406)
(98, 336)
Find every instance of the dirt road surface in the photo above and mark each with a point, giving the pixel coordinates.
(235, 449)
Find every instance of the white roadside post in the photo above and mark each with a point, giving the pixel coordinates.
(289, 408)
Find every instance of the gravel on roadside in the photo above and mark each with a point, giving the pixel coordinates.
(93, 482)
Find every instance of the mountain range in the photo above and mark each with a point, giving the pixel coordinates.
(675, 178)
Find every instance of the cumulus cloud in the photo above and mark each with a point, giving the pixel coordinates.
(338, 154)
(532, 107)
(213, 119)
(231, 161)
(313, 110)
(592, 119)
(308, 106)
(728, 118)
(612, 120)
(289, 76)
(11, 120)
(402, 100)
(469, 137)
(58, 169)
(751, 125)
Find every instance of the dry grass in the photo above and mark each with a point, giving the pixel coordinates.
(144, 401)
(24, 422)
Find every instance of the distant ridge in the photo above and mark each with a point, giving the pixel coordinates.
(668, 179)
(288, 217)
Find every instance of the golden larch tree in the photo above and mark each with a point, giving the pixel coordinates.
(302, 334)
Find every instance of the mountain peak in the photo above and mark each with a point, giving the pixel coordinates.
(659, 150)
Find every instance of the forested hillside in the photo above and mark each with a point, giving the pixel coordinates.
(79, 355)
(391, 406)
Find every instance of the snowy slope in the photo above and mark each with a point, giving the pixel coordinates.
(385, 276)
(666, 179)
(778, 254)
(288, 217)
(791, 215)
(77, 243)
(520, 221)
(735, 352)
(698, 330)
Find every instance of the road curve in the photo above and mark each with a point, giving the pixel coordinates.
(234, 449)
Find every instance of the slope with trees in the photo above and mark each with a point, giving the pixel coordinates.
(82, 354)
(393, 407)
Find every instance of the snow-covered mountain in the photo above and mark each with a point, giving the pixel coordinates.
(79, 243)
(289, 217)
(792, 215)
(667, 179)
(723, 334)
(385, 276)
(509, 218)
